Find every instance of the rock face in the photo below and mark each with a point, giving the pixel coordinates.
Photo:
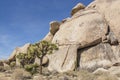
(97, 56)
(68, 34)
(44, 61)
(89, 23)
(48, 37)
(96, 30)
(87, 40)
(110, 9)
(66, 60)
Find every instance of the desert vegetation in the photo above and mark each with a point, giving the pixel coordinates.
(38, 50)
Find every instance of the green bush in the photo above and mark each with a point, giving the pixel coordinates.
(12, 64)
(32, 68)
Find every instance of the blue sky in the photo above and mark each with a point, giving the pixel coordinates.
(27, 21)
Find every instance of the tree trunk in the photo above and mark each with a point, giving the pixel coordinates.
(41, 65)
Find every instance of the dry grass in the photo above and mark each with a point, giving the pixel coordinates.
(20, 74)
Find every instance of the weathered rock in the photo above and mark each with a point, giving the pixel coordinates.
(95, 57)
(66, 60)
(103, 74)
(115, 71)
(111, 39)
(38, 77)
(54, 27)
(78, 7)
(116, 52)
(48, 37)
(100, 70)
(89, 23)
(44, 61)
(18, 50)
(72, 31)
(66, 19)
(110, 9)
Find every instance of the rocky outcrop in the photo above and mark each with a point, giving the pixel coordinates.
(68, 34)
(65, 61)
(110, 9)
(78, 7)
(96, 30)
(89, 23)
(88, 40)
(54, 27)
(97, 56)
(18, 50)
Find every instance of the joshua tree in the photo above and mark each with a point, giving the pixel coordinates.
(39, 50)
(27, 58)
(42, 48)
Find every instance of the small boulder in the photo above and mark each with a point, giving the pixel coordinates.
(44, 61)
(54, 27)
(100, 70)
(78, 7)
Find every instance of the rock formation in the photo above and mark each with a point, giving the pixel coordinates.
(87, 40)
(97, 28)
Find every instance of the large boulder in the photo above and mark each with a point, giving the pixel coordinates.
(64, 59)
(44, 61)
(54, 27)
(78, 7)
(84, 30)
(95, 57)
(110, 9)
(87, 27)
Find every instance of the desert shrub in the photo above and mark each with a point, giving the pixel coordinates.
(42, 48)
(39, 50)
(32, 68)
(25, 58)
(2, 69)
(12, 64)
